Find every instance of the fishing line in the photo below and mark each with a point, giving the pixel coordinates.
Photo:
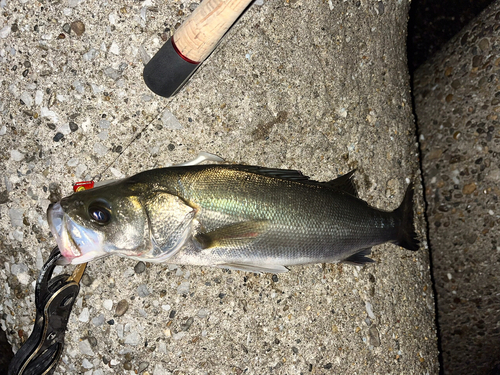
(226, 38)
(136, 136)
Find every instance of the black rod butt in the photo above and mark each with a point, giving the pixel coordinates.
(167, 72)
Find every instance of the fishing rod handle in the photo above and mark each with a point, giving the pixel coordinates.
(199, 34)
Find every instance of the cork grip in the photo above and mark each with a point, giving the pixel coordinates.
(199, 34)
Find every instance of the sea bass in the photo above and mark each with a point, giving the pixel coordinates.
(231, 216)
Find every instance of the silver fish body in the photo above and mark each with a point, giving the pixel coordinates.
(231, 216)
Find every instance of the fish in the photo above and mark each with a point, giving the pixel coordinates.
(239, 217)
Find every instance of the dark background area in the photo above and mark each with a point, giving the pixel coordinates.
(433, 22)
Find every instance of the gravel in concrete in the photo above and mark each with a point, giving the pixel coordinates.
(457, 101)
(321, 87)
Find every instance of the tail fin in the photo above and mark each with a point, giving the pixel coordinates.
(407, 237)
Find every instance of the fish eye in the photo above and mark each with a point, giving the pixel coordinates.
(99, 213)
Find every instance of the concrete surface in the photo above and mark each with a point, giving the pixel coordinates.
(319, 86)
(457, 105)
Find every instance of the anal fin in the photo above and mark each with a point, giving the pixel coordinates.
(360, 258)
(257, 268)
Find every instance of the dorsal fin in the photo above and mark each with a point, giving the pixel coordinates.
(285, 174)
(343, 183)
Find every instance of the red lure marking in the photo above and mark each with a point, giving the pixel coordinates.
(83, 185)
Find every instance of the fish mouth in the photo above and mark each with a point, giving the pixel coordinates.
(57, 224)
(76, 244)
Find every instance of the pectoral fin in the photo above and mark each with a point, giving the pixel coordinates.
(229, 235)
